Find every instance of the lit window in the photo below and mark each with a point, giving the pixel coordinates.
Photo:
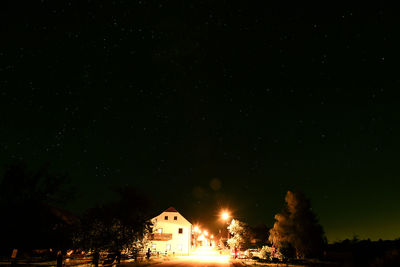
(166, 218)
(160, 230)
(175, 218)
(180, 230)
(168, 246)
(153, 246)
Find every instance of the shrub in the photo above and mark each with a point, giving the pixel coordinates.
(266, 252)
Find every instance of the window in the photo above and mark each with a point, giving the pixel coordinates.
(180, 230)
(166, 218)
(159, 230)
(168, 247)
(175, 218)
(153, 246)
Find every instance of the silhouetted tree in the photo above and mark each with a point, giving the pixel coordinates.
(116, 226)
(30, 219)
(259, 234)
(297, 227)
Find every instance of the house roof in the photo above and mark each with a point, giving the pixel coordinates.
(170, 209)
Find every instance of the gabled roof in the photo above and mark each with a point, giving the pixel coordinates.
(170, 209)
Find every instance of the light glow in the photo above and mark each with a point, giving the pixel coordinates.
(225, 215)
(224, 259)
(207, 254)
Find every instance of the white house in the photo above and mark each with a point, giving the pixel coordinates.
(172, 233)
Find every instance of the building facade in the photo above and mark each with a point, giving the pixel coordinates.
(172, 233)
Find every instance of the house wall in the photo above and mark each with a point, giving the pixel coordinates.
(180, 242)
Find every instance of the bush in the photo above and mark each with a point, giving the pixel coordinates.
(248, 254)
(266, 252)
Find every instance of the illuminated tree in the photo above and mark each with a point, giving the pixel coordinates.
(239, 234)
(297, 228)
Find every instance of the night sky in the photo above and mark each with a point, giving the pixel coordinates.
(205, 105)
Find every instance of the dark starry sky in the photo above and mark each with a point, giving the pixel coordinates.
(209, 104)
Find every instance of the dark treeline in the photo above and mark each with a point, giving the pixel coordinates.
(34, 221)
(117, 226)
(30, 204)
(355, 252)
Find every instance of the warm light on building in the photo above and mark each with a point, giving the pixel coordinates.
(172, 233)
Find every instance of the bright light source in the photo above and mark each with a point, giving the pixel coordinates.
(225, 215)
(212, 236)
(205, 232)
(196, 229)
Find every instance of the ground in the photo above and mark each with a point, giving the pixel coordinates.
(203, 257)
(193, 261)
